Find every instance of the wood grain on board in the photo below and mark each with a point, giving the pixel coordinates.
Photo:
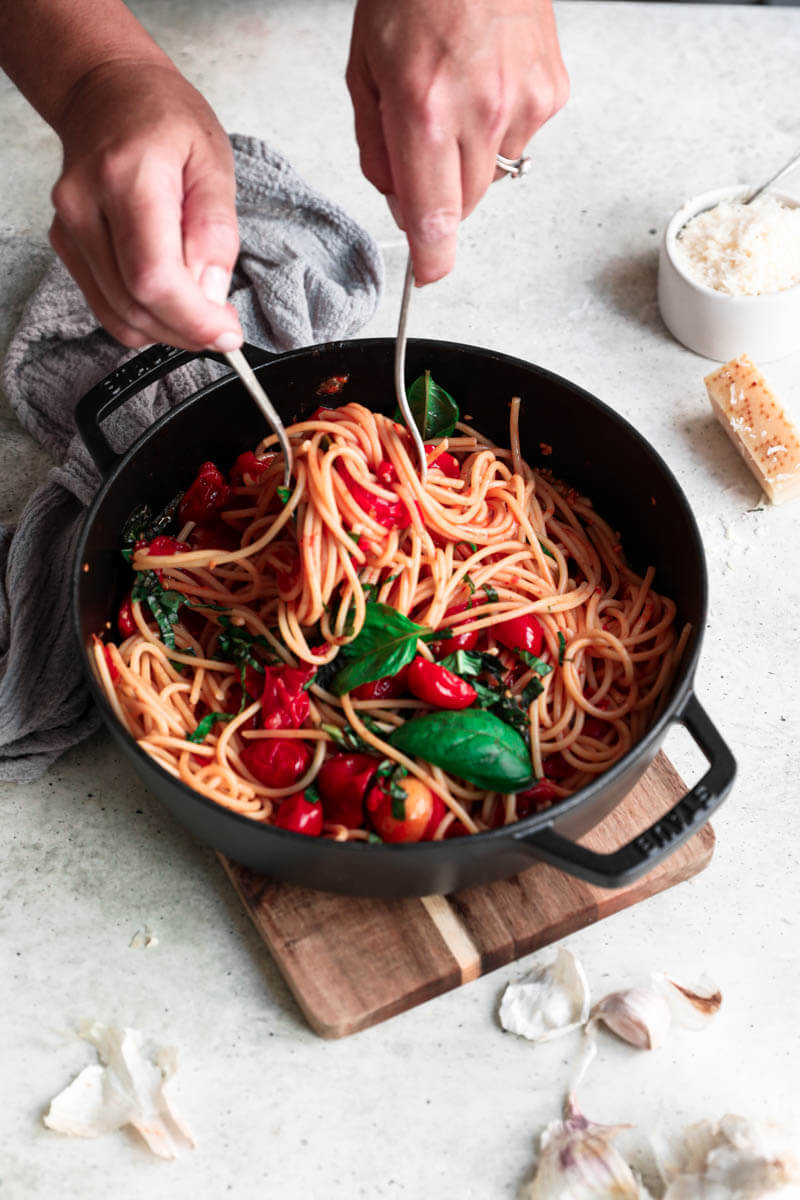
(352, 962)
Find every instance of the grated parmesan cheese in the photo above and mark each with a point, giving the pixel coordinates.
(742, 249)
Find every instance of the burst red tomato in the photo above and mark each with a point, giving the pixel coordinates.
(276, 762)
(446, 462)
(284, 700)
(205, 497)
(248, 465)
(536, 798)
(343, 781)
(520, 633)
(387, 688)
(456, 641)
(298, 814)
(438, 686)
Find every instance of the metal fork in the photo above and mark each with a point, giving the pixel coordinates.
(400, 373)
(245, 372)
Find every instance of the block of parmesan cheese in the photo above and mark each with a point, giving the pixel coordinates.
(758, 427)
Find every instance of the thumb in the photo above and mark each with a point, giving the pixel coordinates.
(211, 231)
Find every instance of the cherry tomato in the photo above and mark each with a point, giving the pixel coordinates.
(387, 688)
(113, 669)
(284, 700)
(418, 810)
(385, 473)
(299, 815)
(446, 462)
(520, 633)
(276, 762)
(392, 514)
(457, 641)
(437, 814)
(206, 496)
(343, 781)
(248, 465)
(556, 767)
(167, 545)
(438, 686)
(536, 798)
(125, 622)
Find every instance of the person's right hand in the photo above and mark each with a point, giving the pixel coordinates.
(145, 207)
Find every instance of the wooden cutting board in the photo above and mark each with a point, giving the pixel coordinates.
(352, 962)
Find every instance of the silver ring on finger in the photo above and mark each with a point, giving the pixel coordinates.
(515, 167)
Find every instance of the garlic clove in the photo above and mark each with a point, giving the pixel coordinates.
(640, 1016)
(578, 1161)
(732, 1159)
(692, 1007)
(550, 1001)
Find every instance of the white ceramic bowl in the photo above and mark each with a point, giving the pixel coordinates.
(715, 324)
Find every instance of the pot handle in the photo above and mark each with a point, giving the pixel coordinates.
(130, 379)
(665, 835)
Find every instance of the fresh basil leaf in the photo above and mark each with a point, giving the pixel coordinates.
(346, 737)
(374, 840)
(539, 665)
(471, 744)
(385, 643)
(311, 794)
(545, 550)
(206, 725)
(390, 774)
(163, 604)
(562, 645)
(434, 410)
(370, 590)
(470, 583)
(491, 594)
(324, 674)
(283, 494)
(235, 644)
(472, 662)
(141, 525)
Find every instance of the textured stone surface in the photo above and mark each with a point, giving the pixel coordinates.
(667, 100)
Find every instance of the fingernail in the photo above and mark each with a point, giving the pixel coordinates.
(228, 341)
(215, 282)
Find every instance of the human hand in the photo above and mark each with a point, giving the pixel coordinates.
(145, 207)
(440, 87)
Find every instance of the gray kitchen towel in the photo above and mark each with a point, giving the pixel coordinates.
(306, 273)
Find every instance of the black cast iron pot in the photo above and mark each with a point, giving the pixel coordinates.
(592, 448)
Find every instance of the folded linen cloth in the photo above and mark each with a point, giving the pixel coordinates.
(306, 273)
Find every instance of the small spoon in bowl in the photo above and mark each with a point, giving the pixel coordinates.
(785, 169)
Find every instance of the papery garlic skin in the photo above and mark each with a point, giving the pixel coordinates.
(577, 1161)
(692, 1006)
(551, 1001)
(130, 1088)
(640, 1016)
(734, 1159)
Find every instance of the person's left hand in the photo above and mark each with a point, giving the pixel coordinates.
(439, 88)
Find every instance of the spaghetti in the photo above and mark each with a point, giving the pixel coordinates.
(260, 647)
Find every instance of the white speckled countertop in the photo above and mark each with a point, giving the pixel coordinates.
(667, 100)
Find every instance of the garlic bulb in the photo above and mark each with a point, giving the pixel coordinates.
(733, 1159)
(640, 1016)
(691, 1007)
(552, 1000)
(578, 1161)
